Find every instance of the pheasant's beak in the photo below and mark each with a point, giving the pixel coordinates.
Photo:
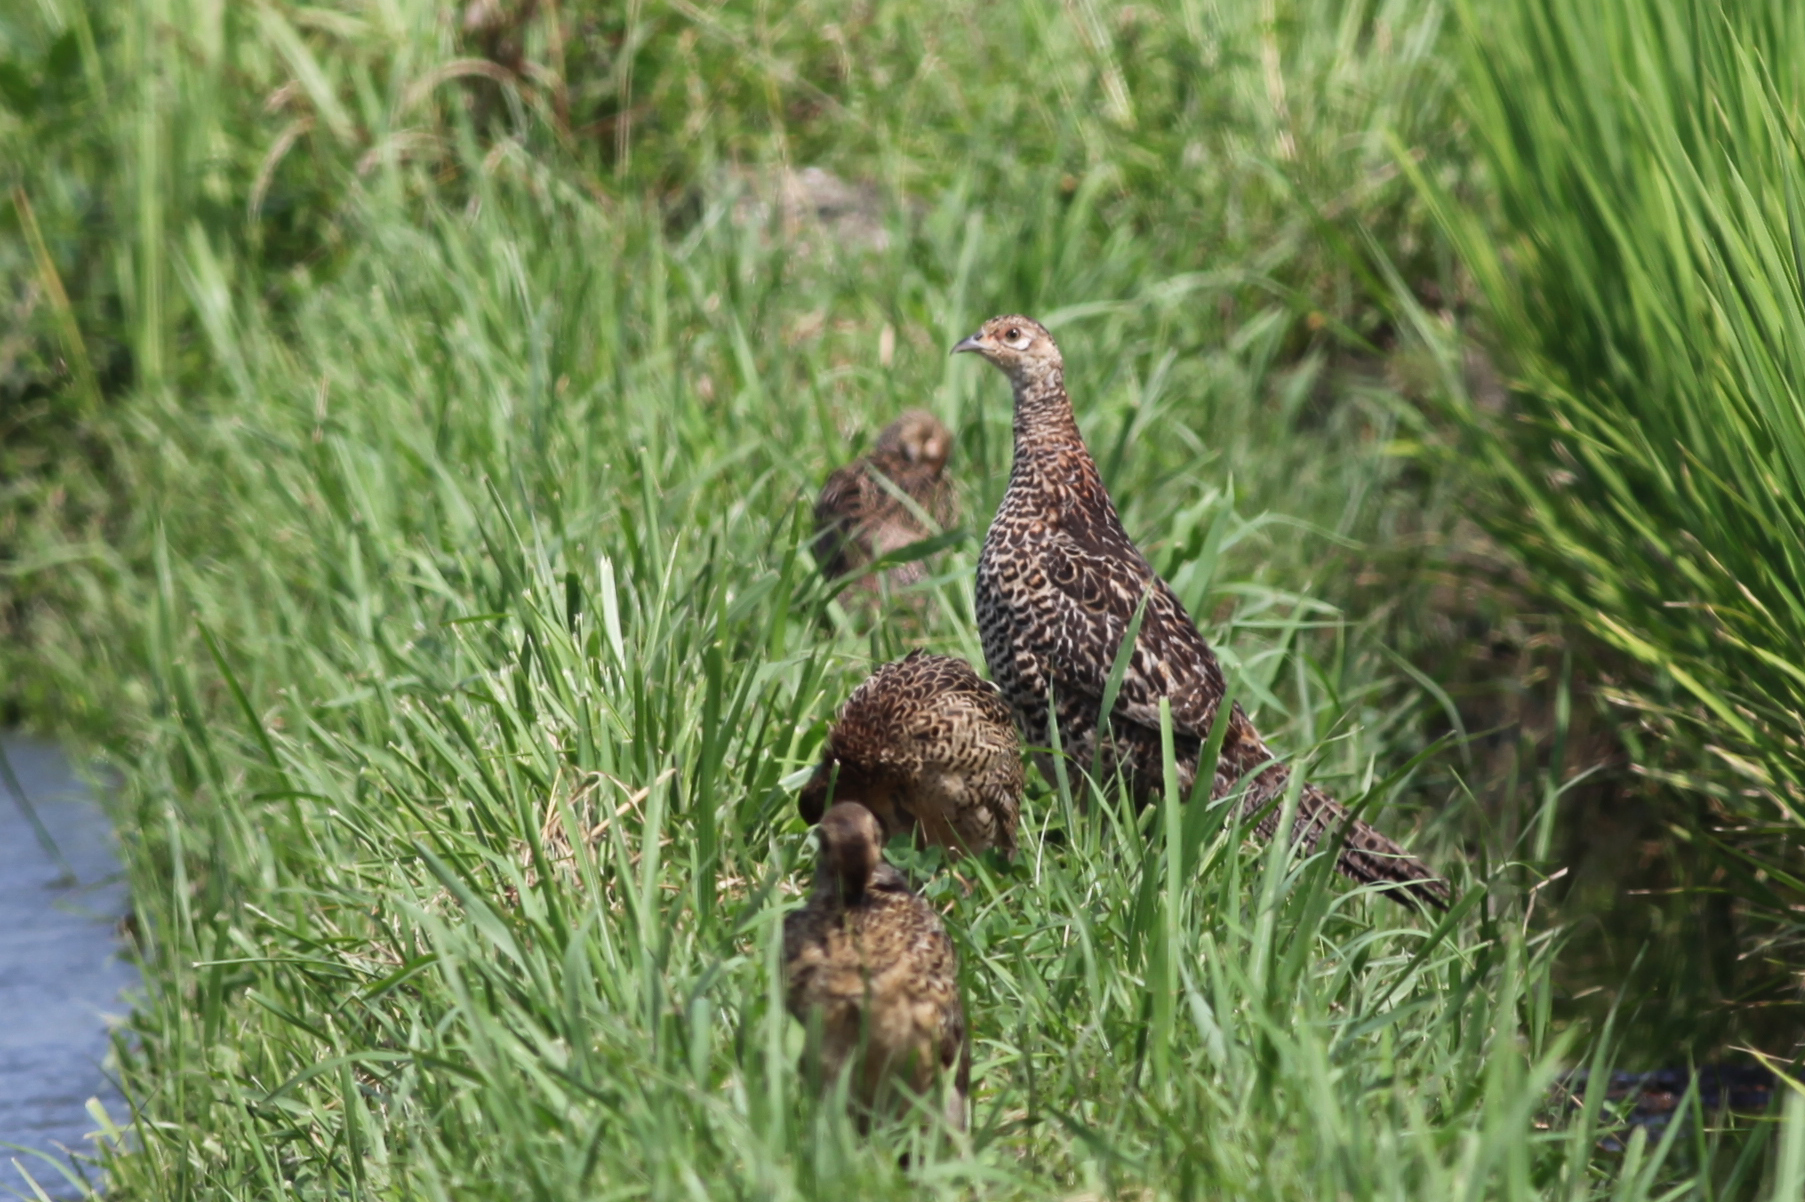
(968, 344)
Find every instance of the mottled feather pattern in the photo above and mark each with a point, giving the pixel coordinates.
(929, 746)
(1059, 582)
(858, 519)
(868, 960)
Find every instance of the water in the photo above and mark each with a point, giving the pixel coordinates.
(61, 975)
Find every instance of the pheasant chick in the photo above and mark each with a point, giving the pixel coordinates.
(927, 746)
(868, 966)
(858, 518)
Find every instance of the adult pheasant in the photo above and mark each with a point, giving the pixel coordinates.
(925, 744)
(859, 515)
(870, 970)
(1059, 581)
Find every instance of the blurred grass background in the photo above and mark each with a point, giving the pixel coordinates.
(408, 419)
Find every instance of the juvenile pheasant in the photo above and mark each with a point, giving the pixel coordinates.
(868, 960)
(927, 745)
(857, 518)
(1058, 584)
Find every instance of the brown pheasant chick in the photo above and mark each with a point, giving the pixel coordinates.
(927, 746)
(869, 968)
(858, 518)
(1059, 582)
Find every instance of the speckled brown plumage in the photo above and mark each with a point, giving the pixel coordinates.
(868, 966)
(858, 519)
(1059, 581)
(928, 745)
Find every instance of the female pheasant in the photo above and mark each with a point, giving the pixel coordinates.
(1059, 581)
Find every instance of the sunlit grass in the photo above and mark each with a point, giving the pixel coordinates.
(433, 597)
(455, 491)
(1645, 167)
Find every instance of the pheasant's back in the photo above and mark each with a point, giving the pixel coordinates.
(917, 709)
(880, 978)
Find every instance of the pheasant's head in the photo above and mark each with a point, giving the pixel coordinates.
(851, 848)
(916, 438)
(1019, 346)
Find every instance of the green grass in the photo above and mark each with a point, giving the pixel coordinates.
(1644, 290)
(444, 482)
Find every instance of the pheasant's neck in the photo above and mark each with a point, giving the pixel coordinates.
(1043, 416)
(1049, 451)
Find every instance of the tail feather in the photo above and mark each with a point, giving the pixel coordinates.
(1366, 857)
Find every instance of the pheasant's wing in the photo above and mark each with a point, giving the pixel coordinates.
(1098, 588)
(941, 502)
(1001, 780)
(896, 531)
(969, 733)
(889, 525)
(939, 973)
(1099, 579)
(804, 949)
(840, 511)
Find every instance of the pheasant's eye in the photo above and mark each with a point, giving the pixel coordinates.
(1012, 335)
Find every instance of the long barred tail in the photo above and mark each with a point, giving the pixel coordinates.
(1367, 856)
